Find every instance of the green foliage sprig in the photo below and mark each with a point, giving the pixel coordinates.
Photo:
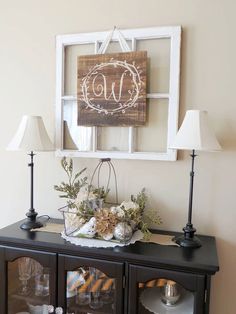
(75, 183)
(84, 211)
(100, 192)
(147, 217)
(140, 199)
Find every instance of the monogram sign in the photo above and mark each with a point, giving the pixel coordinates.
(112, 89)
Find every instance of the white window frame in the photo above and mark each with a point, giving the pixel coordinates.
(171, 32)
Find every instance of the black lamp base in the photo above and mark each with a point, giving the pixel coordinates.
(28, 225)
(188, 239)
(186, 242)
(31, 222)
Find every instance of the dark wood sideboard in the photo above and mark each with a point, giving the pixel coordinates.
(133, 269)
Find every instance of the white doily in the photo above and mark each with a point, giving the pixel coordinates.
(137, 236)
(151, 300)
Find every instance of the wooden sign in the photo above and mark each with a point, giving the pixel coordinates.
(112, 89)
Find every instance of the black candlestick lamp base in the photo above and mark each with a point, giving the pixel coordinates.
(188, 239)
(31, 222)
(28, 225)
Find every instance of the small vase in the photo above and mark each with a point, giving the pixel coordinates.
(170, 293)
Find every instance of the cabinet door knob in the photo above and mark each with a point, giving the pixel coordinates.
(58, 310)
(50, 308)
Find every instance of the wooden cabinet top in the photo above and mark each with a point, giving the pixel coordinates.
(200, 260)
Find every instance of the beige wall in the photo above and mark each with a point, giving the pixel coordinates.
(27, 85)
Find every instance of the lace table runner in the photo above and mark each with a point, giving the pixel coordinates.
(161, 239)
(137, 236)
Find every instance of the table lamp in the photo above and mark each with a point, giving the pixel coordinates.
(31, 137)
(194, 134)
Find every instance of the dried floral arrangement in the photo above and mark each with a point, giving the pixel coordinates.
(88, 215)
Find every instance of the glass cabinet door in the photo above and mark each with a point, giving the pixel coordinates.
(30, 281)
(28, 286)
(91, 286)
(162, 291)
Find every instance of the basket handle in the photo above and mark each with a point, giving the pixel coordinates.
(110, 169)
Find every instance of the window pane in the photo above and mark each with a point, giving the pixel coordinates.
(158, 64)
(113, 139)
(71, 55)
(153, 136)
(75, 137)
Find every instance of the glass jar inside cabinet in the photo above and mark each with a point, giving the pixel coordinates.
(90, 291)
(28, 286)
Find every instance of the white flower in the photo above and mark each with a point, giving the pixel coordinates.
(118, 211)
(84, 196)
(91, 196)
(113, 210)
(129, 205)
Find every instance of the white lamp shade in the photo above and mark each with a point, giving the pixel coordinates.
(31, 136)
(195, 133)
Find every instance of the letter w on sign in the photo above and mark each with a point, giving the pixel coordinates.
(112, 89)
